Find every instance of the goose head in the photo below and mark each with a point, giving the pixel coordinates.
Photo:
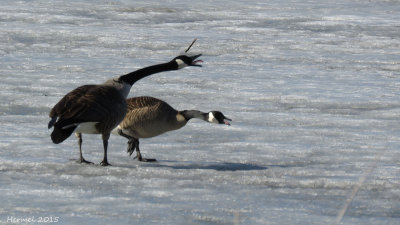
(218, 117)
(185, 60)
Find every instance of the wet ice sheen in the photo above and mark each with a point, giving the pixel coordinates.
(311, 86)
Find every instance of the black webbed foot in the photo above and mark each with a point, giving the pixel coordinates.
(105, 163)
(133, 144)
(148, 160)
(82, 160)
(141, 159)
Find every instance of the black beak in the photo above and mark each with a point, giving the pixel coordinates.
(194, 61)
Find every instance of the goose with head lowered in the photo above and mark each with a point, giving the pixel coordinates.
(149, 117)
(97, 109)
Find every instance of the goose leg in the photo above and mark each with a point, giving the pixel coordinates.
(123, 135)
(138, 155)
(81, 159)
(131, 145)
(105, 145)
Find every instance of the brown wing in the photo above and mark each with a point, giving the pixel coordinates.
(148, 117)
(67, 106)
(89, 103)
(144, 109)
(142, 101)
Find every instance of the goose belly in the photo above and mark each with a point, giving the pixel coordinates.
(150, 129)
(149, 132)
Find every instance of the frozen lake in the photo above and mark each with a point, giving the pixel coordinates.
(312, 88)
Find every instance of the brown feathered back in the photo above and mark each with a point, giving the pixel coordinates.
(89, 103)
(149, 117)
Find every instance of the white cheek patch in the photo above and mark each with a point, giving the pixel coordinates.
(211, 118)
(180, 63)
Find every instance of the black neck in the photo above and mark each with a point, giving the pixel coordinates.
(134, 76)
(189, 114)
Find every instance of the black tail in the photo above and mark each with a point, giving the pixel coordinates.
(52, 122)
(59, 135)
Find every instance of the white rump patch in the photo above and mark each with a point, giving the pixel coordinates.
(87, 128)
(115, 130)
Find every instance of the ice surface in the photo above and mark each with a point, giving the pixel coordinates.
(312, 88)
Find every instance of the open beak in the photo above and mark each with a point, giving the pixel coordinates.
(194, 61)
(226, 121)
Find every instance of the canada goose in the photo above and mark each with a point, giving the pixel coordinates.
(97, 109)
(149, 117)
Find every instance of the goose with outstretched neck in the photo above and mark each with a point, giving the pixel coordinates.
(98, 109)
(149, 117)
